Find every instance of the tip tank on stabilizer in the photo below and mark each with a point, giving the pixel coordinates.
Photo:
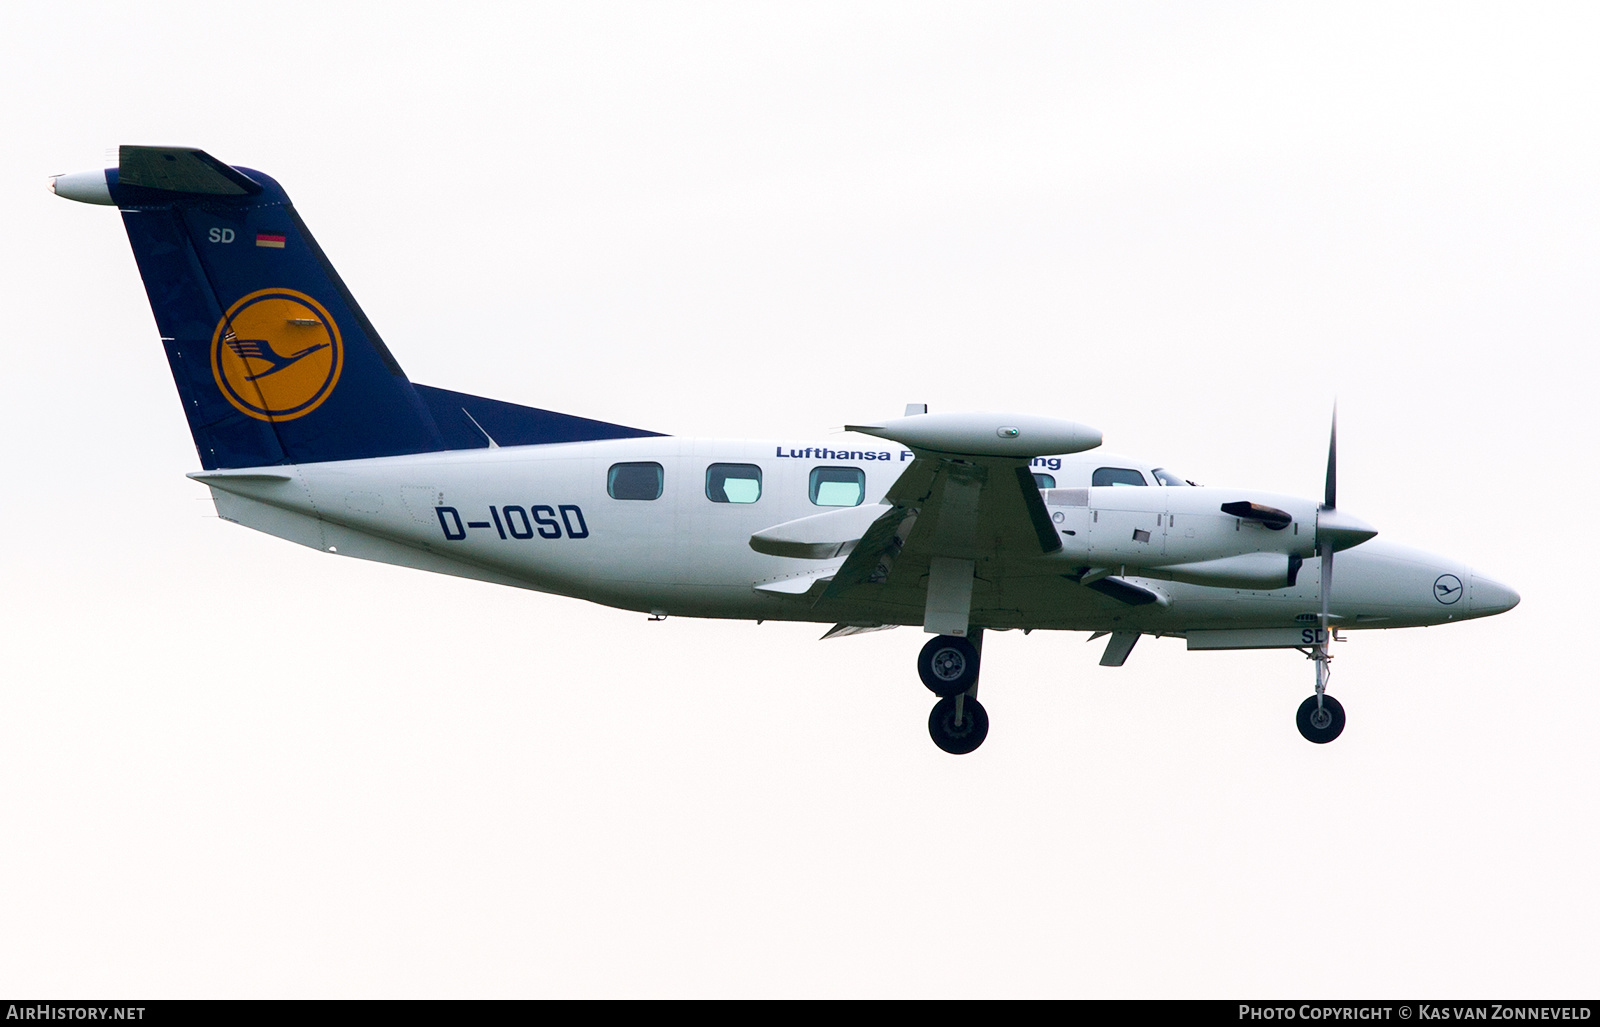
(83, 186)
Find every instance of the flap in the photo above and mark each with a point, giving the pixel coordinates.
(794, 584)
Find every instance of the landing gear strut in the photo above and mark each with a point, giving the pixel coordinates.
(948, 665)
(1321, 718)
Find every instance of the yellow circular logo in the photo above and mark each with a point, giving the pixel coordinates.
(276, 354)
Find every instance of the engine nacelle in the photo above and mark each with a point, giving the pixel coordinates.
(1256, 571)
(1225, 537)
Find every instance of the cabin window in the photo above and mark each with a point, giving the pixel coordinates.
(838, 486)
(1044, 481)
(635, 481)
(733, 483)
(1166, 477)
(1117, 476)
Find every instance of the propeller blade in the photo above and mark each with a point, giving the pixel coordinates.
(1330, 489)
(1334, 531)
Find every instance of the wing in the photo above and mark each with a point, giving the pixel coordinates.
(954, 524)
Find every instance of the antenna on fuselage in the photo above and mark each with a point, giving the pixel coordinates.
(492, 443)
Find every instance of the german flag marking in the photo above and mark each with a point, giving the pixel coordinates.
(269, 240)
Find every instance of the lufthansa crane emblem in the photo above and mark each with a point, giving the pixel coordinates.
(276, 354)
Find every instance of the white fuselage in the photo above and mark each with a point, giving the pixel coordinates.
(541, 517)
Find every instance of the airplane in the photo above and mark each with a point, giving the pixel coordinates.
(960, 523)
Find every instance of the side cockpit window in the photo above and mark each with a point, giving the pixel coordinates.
(635, 481)
(733, 483)
(1117, 476)
(838, 486)
(1166, 477)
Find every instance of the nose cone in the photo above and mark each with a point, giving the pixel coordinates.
(1489, 597)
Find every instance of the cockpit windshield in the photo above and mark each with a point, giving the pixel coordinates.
(1104, 476)
(1166, 477)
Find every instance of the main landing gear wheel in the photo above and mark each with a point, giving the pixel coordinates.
(948, 665)
(1322, 725)
(958, 724)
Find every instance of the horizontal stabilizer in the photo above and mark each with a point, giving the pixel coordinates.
(221, 479)
(181, 169)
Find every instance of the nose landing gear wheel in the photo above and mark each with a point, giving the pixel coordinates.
(948, 665)
(1322, 725)
(958, 739)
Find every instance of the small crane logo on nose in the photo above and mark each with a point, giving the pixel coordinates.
(1447, 588)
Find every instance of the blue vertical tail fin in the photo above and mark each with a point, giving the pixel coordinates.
(274, 361)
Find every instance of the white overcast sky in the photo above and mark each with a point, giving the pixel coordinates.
(230, 766)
